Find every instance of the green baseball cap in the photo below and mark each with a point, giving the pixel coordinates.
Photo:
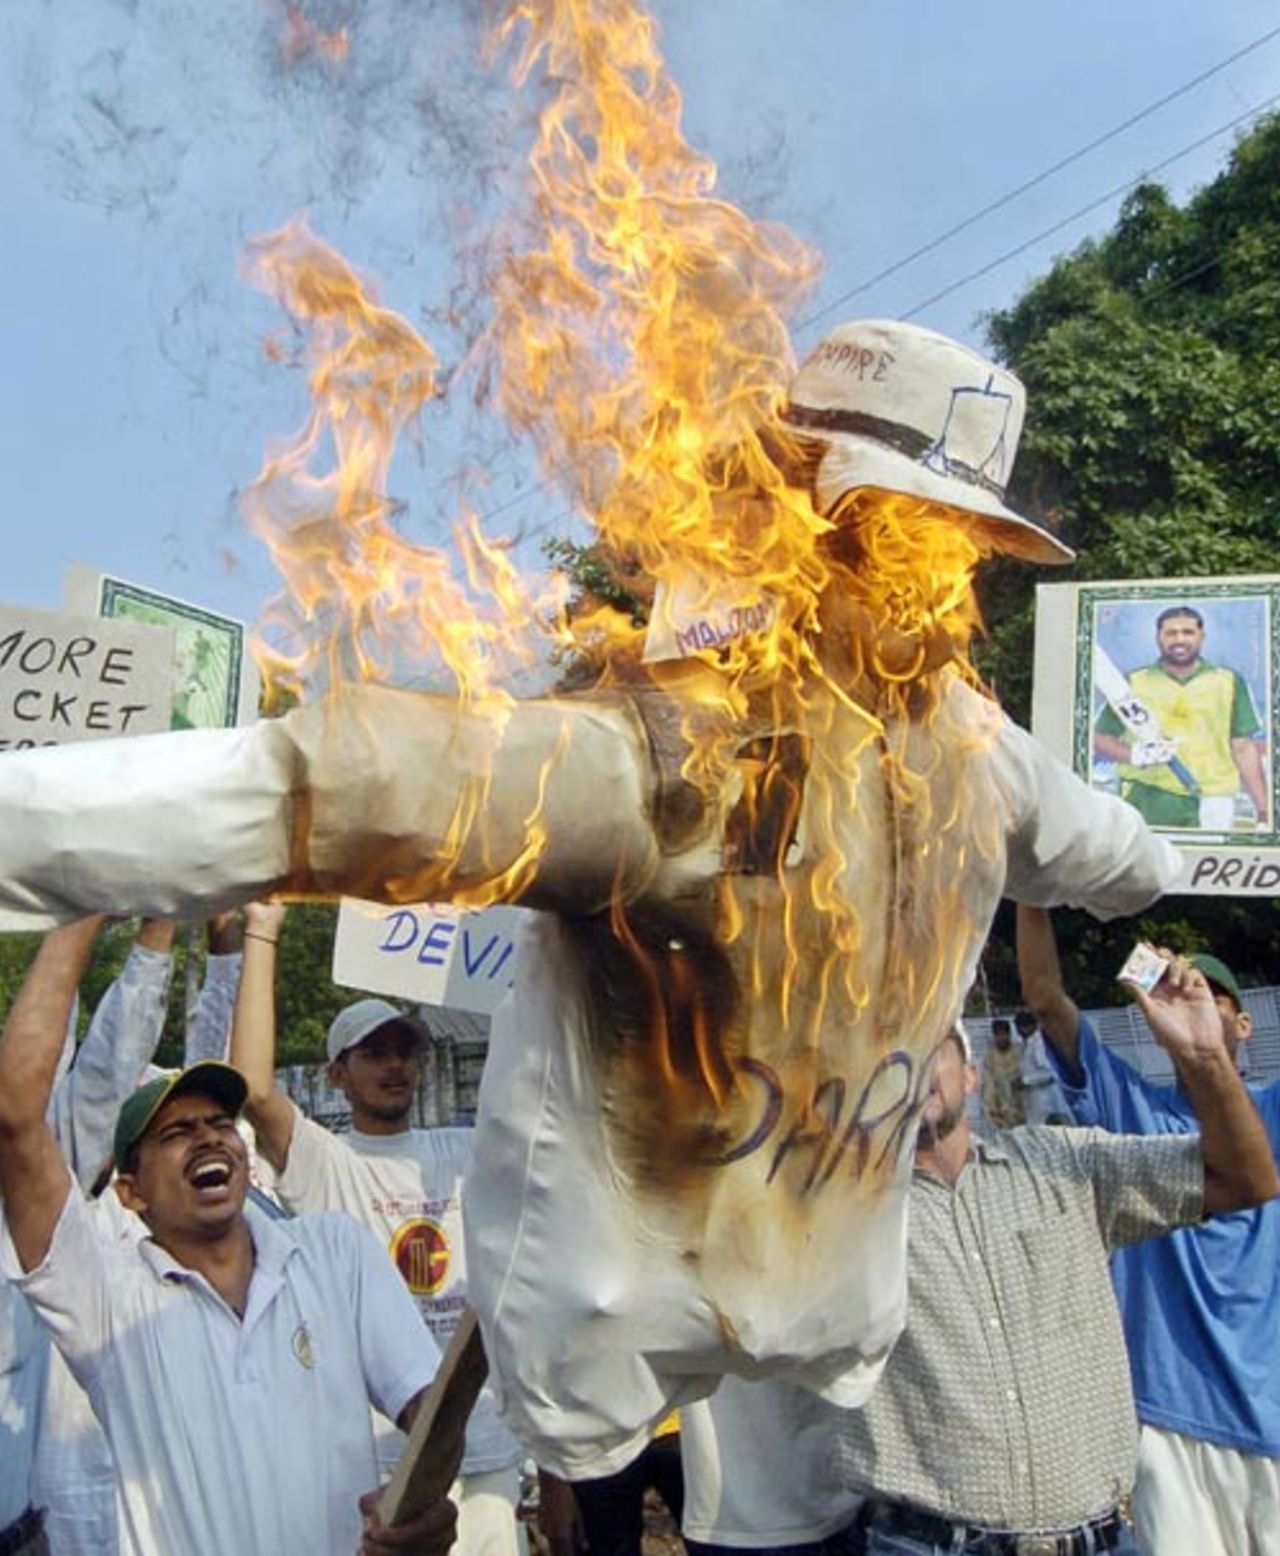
(1218, 975)
(210, 1078)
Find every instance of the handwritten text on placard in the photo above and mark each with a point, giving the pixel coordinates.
(440, 955)
(65, 678)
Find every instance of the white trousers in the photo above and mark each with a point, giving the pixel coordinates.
(486, 1506)
(1193, 1498)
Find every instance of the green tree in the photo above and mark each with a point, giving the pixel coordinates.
(1153, 446)
(307, 997)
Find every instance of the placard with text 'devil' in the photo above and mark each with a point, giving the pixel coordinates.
(437, 954)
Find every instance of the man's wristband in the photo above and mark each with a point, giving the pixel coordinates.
(266, 939)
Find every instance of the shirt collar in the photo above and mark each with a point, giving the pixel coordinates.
(982, 1150)
(1202, 667)
(272, 1248)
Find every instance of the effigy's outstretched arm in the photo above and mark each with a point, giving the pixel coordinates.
(389, 794)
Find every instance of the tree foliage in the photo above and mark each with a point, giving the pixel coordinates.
(307, 999)
(1152, 446)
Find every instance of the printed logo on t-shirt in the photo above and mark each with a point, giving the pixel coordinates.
(302, 1347)
(420, 1251)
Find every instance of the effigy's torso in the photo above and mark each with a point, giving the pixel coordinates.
(712, 1088)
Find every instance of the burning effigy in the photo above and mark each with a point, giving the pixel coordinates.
(766, 855)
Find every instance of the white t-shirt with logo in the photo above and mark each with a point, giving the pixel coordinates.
(406, 1188)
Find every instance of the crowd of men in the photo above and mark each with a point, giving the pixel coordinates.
(232, 1375)
(1018, 1082)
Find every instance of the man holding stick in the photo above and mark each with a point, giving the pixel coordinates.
(404, 1184)
(231, 1360)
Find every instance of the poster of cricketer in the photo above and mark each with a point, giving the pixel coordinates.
(1164, 692)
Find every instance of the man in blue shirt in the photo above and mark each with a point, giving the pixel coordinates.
(1200, 1307)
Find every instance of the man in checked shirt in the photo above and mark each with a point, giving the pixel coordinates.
(1004, 1422)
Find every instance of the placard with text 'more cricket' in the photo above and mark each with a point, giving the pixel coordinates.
(66, 678)
(1165, 693)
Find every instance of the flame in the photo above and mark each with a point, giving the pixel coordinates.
(360, 596)
(639, 340)
(302, 39)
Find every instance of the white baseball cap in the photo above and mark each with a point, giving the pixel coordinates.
(904, 409)
(355, 1022)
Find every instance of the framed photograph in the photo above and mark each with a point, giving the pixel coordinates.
(1165, 694)
(215, 682)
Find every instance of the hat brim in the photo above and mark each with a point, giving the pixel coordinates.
(209, 1079)
(869, 464)
(415, 1024)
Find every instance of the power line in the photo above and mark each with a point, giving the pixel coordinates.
(1086, 210)
(1031, 183)
(550, 479)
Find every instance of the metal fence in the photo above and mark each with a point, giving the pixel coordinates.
(447, 1092)
(1124, 1031)
(454, 1061)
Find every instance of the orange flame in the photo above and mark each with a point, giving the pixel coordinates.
(639, 339)
(360, 594)
(301, 38)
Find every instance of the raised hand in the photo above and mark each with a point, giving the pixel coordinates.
(1181, 1010)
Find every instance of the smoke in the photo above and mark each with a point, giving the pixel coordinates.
(192, 126)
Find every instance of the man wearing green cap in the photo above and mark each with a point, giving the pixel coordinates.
(230, 1359)
(1199, 1306)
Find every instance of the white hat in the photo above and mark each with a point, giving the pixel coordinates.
(904, 409)
(355, 1022)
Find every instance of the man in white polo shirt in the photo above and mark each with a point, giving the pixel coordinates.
(230, 1359)
(404, 1184)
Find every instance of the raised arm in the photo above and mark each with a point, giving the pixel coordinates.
(209, 1030)
(123, 1034)
(1240, 1170)
(253, 1032)
(1042, 991)
(34, 1182)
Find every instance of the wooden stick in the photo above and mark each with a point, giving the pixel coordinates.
(429, 1464)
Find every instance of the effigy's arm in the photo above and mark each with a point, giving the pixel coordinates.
(387, 794)
(1073, 846)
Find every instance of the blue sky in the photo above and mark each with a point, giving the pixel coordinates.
(142, 141)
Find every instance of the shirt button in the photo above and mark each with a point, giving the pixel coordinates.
(995, 1323)
(1011, 1394)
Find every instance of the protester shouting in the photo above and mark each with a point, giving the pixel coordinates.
(230, 1359)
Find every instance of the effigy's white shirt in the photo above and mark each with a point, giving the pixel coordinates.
(599, 1313)
(407, 1189)
(619, 1266)
(234, 1435)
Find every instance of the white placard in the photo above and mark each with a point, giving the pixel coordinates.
(66, 678)
(688, 619)
(460, 958)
